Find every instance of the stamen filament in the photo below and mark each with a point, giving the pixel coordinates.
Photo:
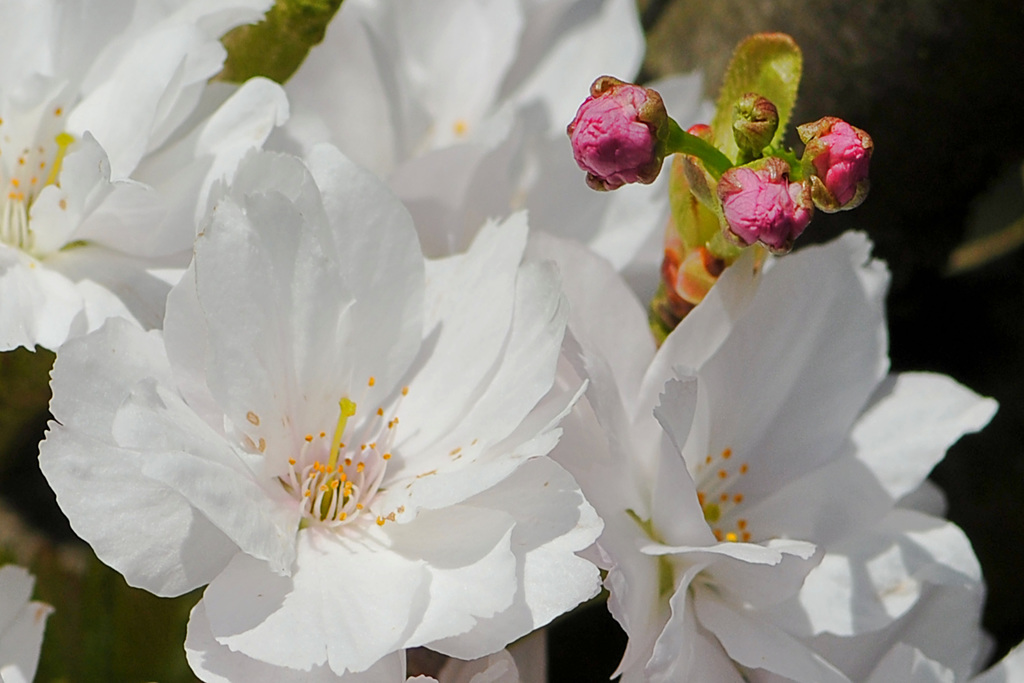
(348, 409)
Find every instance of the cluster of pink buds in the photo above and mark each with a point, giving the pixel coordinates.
(622, 133)
(733, 185)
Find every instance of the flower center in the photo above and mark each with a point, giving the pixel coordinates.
(30, 159)
(336, 480)
(716, 480)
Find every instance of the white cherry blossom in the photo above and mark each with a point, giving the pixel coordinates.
(109, 138)
(760, 440)
(345, 441)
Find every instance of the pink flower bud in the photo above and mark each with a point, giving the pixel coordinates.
(617, 135)
(836, 158)
(761, 205)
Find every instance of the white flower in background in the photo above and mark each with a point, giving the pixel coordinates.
(772, 393)
(462, 106)
(451, 191)
(109, 138)
(342, 439)
(395, 79)
(21, 626)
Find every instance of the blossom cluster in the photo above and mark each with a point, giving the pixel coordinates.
(362, 358)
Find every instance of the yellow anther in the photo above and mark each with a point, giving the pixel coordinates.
(380, 521)
(460, 127)
(253, 418)
(743, 468)
(727, 453)
(380, 412)
(731, 537)
(372, 381)
(386, 456)
(405, 391)
(291, 461)
(309, 437)
(722, 474)
(360, 467)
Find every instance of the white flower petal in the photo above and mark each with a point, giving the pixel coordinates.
(354, 602)
(797, 344)
(144, 88)
(879, 576)
(180, 451)
(40, 306)
(21, 626)
(470, 300)
(139, 526)
(552, 522)
(216, 663)
(908, 430)
(757, 644)
(686, 651)
(908, 664)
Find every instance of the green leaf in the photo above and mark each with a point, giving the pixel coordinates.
(276, 47)
(768, 64)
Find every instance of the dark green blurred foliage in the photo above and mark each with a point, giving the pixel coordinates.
(104, 630)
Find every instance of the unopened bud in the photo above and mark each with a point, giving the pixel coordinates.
(754, 122)
(760, 204)
(618, 134)
(702, 131)
(836, 159)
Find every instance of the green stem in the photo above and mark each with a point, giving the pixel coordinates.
(681, 142)
(721, 247)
